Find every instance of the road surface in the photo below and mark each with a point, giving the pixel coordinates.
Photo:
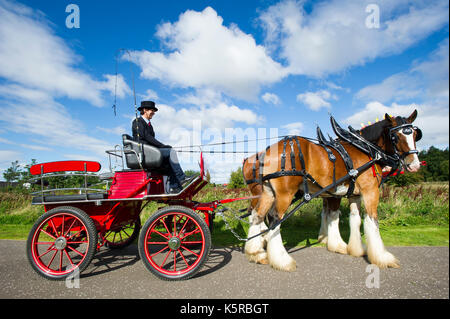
(424, 274)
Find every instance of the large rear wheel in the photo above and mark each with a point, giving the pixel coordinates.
(174, 243)
(62, 240)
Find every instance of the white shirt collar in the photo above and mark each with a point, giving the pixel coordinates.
(146, 121)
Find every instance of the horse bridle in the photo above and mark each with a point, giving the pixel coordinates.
(407, 129)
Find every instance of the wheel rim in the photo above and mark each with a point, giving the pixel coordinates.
(60, 244)
(174, 244)
(120, 236)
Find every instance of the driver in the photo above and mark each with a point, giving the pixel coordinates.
(143, 133)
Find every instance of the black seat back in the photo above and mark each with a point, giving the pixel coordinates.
(138, 154)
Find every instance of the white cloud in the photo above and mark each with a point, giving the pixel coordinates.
(316, 100)
(204, 53)
(293, 128)
(8, 156)
(431, 119)
(333, 36)
(427, 83)
(114, 85)
(271, 98)
(425, 79)
(174, 126)
(31, 55)
(118, 130)
(149, 95)
(36, 115)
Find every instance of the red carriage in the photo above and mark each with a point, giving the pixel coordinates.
(174, 242)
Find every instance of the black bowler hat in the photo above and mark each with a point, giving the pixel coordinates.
(147, 105)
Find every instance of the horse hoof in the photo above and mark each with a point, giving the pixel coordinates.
(356, 250)
(340, 248)
(384, 260)
(258, 258)
(288, 264)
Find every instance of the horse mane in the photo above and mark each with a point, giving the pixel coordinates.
(373, 132)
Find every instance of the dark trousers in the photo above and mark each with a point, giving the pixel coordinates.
(177, 174)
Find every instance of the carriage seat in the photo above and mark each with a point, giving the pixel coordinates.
(150, 156)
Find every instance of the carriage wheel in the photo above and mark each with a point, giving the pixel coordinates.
(122, 236)
(62, 240)
(174, 243)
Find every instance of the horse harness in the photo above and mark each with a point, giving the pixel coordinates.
(376, 154)
(327, 145)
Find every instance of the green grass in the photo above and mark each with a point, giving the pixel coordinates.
(409, 216)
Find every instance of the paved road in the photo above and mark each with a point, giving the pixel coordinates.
(227, 274)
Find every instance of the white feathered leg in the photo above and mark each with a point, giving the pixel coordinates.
(376, 252)
(254, 248)
(335, 242)
(355, 246)
(277, 254)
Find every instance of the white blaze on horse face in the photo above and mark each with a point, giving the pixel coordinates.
(412, 161)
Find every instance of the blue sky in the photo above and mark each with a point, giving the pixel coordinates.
(217, 70)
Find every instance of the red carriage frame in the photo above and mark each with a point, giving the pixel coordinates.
(174, 243)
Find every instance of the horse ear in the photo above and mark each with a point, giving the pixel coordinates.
(412, 117)
(388, 117)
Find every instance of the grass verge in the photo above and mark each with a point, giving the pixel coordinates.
(409, 216)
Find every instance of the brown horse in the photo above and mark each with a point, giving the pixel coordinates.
(394, 136)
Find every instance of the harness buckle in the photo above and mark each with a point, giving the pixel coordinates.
(307, 197)
(353, 172)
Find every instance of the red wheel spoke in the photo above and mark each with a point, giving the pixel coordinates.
(47, 233)
(76, 233)
(68, 257)
(60, 260)
(70, 227)
(174, 261)
(156, 243)
(168, 231)
(53, 257)
(160, 251)
(48, 250)
(54, 228)
(182, 256)
(193, 242)
(190, 251)
(164, 261)
(62, 226)
(184, 225)
(77, 242)
(161, 234)
(73, 249)
(195, 231)
(175, 226)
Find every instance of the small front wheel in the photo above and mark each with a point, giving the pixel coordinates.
(174, 243)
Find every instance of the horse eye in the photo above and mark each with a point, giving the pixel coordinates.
(407, 131)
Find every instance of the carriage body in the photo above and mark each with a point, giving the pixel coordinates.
(77, 222)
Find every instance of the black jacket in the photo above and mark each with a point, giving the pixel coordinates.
(146, 133)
